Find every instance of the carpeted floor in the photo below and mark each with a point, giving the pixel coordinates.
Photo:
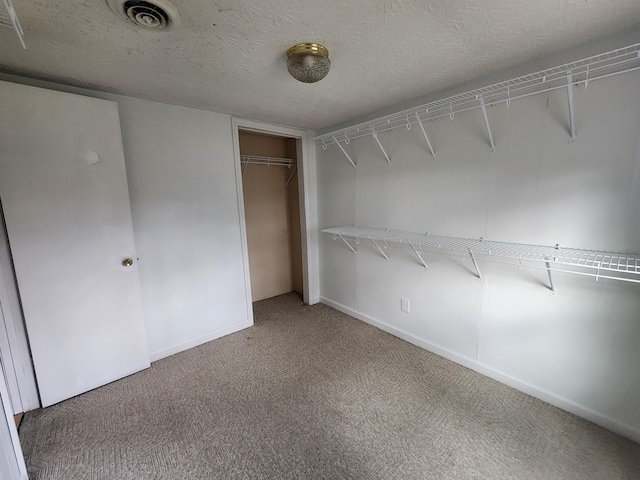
(310, 393)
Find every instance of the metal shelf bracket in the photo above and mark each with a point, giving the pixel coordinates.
(572, 121)
(291, 176)
(586, 78)
(346, 243)
(551, 286)
(486, 122)
(475, 264)
(344, 151)
(375, 136)
(379, 249)
(424, 132)
(419, 255)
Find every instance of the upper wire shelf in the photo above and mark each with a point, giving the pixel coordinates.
(580, 72)
(9, 19)
(598, 264)
(256, 159)
(275, 161)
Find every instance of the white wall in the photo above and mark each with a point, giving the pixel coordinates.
(577, 349)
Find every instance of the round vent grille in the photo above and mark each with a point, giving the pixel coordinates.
(146, 14)
(151, 15)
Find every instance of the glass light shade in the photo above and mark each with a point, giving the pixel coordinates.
(308, 62)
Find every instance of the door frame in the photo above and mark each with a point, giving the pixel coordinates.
(11, 457)
(14, 345)
(306, 163)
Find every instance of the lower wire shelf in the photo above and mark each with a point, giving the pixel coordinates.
(597, 264)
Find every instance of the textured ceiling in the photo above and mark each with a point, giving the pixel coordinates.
(229, 56)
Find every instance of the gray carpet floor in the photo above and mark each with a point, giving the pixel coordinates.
(310, 393)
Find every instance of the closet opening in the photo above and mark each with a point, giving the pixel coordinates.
(271, 194)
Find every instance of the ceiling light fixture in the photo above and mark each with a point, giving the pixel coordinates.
(308, 62)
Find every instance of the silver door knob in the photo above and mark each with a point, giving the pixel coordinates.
(127, 262)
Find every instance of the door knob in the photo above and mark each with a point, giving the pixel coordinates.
(127, 262)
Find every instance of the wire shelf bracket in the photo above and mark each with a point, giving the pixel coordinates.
(572, 119)
(337, 235)
(486, 122)
(551, 285)
(292, 174)
(10, 20)
(569, 75)
(343, 150)
(379, 249)
(591, 263)
(375, 135)
(419, 254)
(424, 132)
(475, 263)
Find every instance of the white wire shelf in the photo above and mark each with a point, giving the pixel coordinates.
(580, 72)
(258, 160)
(597, 264)
(9, 19)
(271, 161)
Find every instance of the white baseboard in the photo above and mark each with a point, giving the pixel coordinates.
(194, 342)
(544, 395)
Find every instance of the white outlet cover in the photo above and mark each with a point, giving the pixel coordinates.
(405, 305)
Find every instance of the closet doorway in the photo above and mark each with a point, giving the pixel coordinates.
(269, 167)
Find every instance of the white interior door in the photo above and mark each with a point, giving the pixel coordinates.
(64, 194)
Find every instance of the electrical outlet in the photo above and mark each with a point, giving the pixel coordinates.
(405, 305)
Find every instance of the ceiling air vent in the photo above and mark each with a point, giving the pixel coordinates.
(151, 15)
